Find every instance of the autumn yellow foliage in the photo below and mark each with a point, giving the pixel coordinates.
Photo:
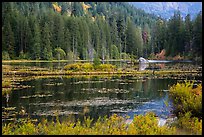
(85, 7)
(114, 125)
(56, 7)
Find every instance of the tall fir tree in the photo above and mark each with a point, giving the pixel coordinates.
(46, 53)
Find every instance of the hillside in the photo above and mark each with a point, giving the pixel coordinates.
(88, 30)
(167, 9)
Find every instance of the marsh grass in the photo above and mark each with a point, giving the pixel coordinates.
(114, 125)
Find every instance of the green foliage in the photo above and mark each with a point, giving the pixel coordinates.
(80, 32)
(46, 44)
(114, 52)
(148, 125)
(24, 56)
(186, 98)
(5, 55)
(106, 67)
(36, 44)
(96, 62)
(125, 56)
(89, 67)
(189, 123)
(8, 41)
(60, 54)
(114, 125)
(188, 106)
(73, 67)
(79, 67)
(6, 87)
(6, 84)
(70, 55)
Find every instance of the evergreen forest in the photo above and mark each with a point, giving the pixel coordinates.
(88, 30)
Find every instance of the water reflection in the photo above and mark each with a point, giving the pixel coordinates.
(7, 100)
(151, 66)
(100, 96)
(143, 66)
(162, 107)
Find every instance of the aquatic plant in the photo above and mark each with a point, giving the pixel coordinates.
(106, 67)
(88, 67)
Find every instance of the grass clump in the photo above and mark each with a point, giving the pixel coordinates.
(114, 125)
(6, 87)
(88, 67)
(106, 67)
(73, 67)
(6, 84)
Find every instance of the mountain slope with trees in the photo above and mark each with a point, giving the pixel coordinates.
(166, 9)
(88, 30)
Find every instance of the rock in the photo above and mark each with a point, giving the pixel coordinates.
(161, 121)
(143, 60)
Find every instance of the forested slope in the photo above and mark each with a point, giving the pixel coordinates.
(85, 30)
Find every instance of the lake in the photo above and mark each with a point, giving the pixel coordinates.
(97, 95)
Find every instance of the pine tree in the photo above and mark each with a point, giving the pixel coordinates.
(131, 38)
(8, 39)
(197, 35)
(108, 40)
(121, 33)
(36, 42)
(188, 33)
(46, 44)
(67, 46)
(139, 41)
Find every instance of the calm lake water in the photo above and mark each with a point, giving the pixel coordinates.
(95, 96)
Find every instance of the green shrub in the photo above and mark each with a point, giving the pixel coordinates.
(125, 56)
(5, 55)
(148, 125)
(59, 53)
(24, 56)
(73, 67)
(6, 84)
(186, 99)
(114, 125)
(106, 67)
(190, 124)
(188, 106)
(96, 62)
(87, 66)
